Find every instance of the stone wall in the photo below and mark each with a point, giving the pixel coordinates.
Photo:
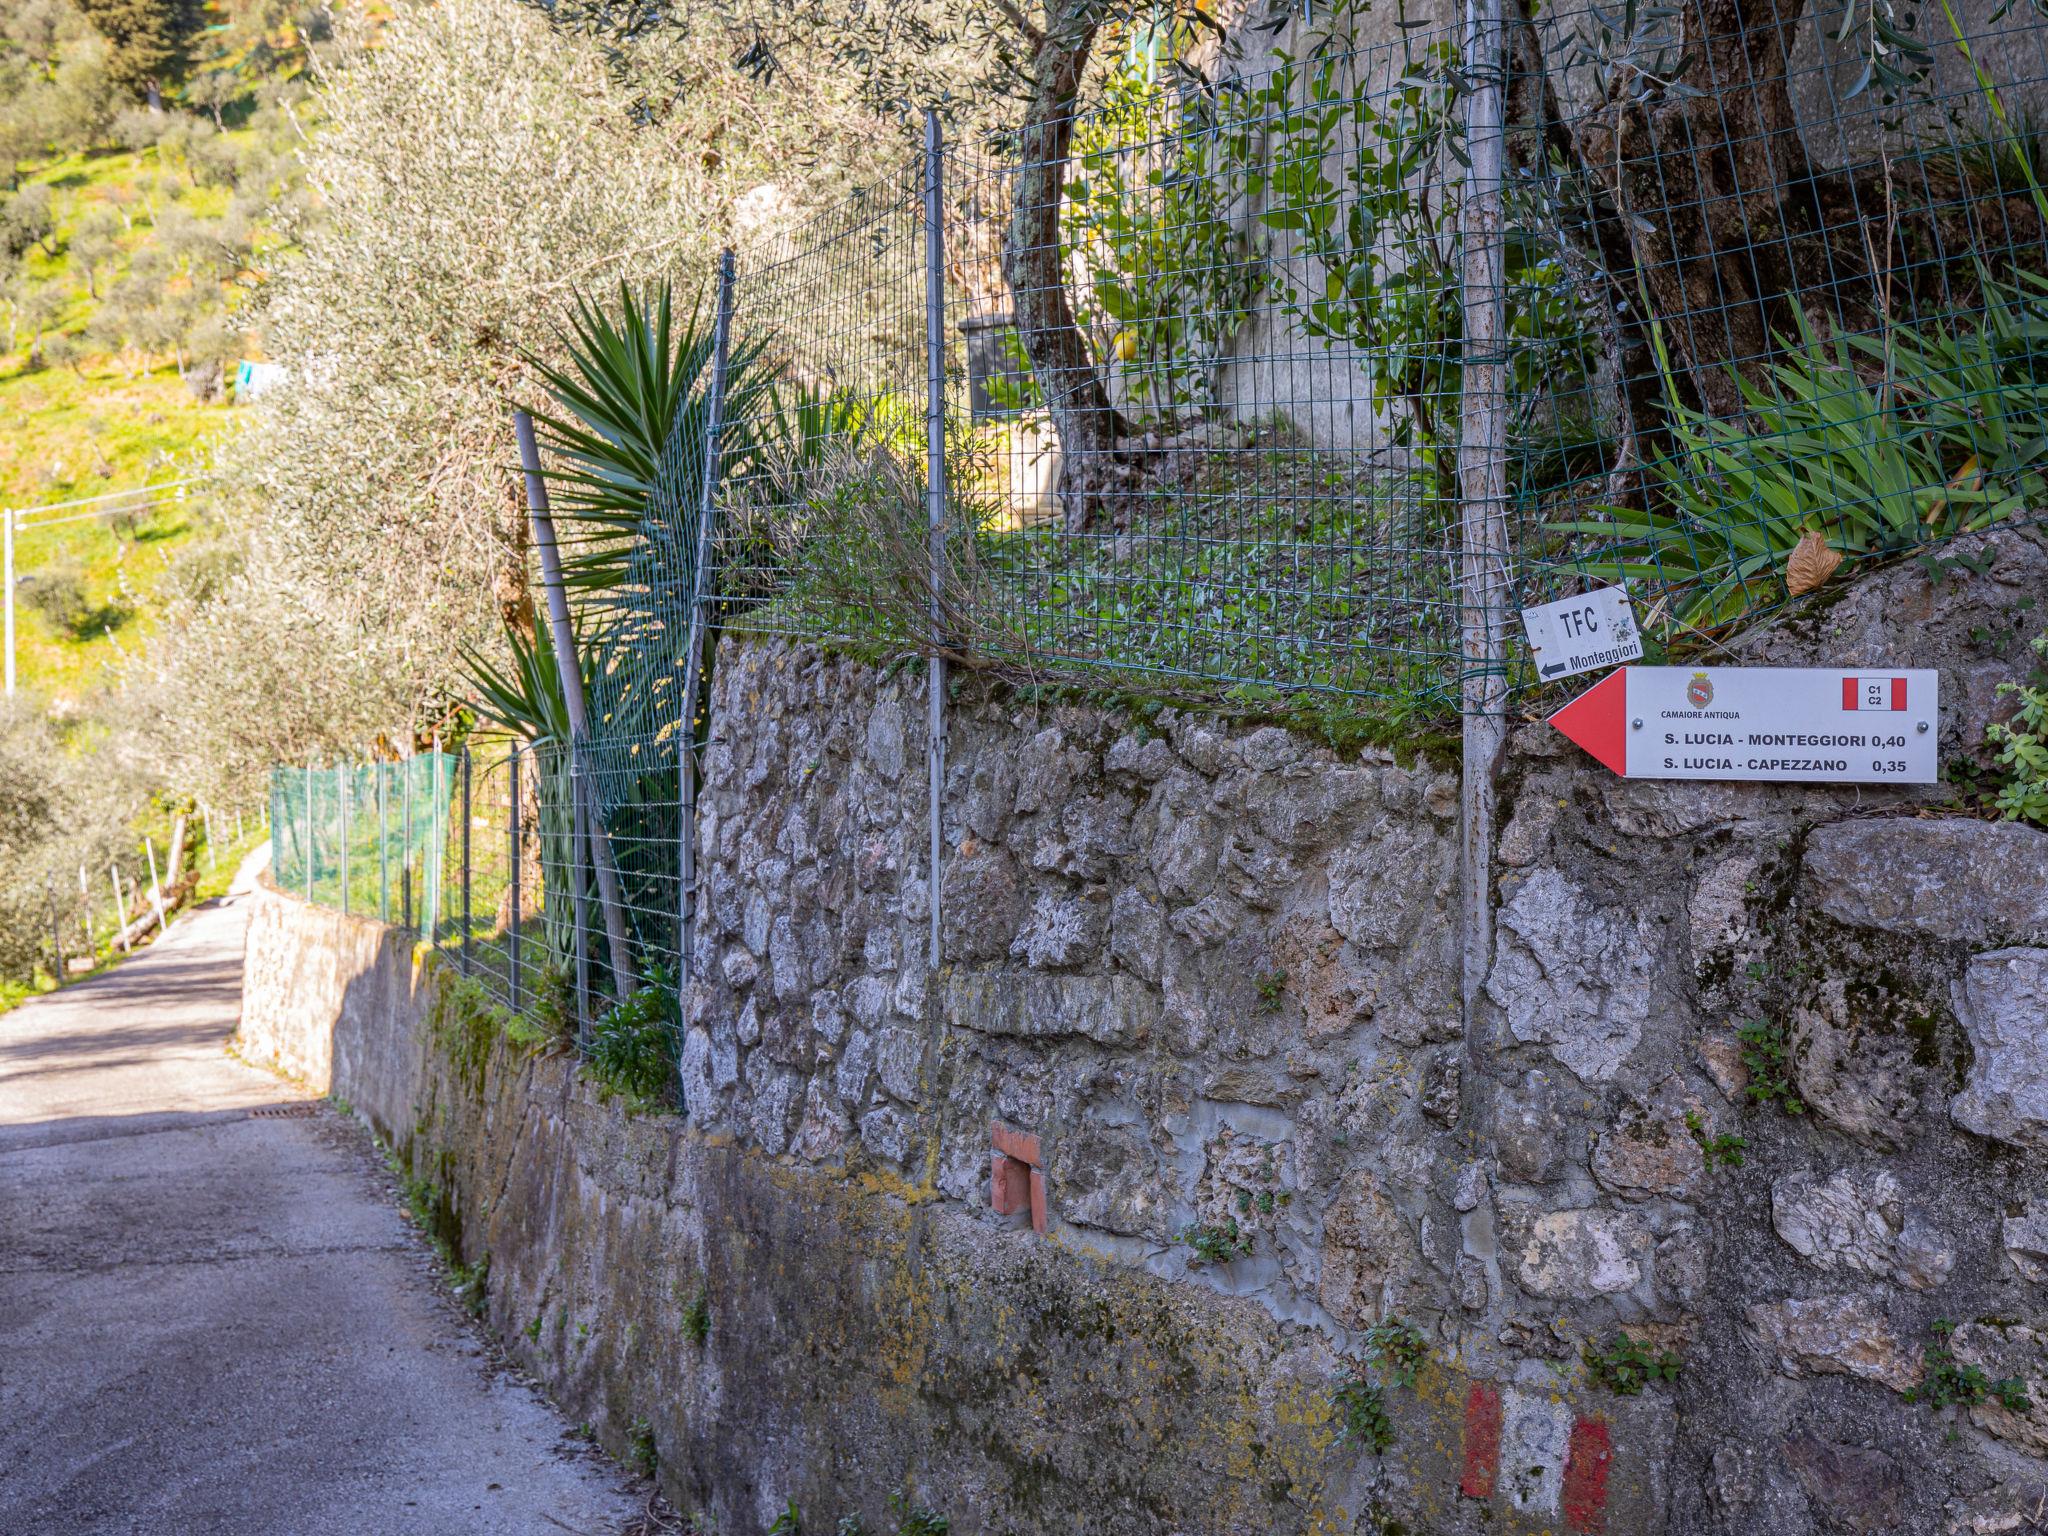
(1203, 977)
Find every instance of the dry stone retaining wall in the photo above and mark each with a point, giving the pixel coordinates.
(1211, 970)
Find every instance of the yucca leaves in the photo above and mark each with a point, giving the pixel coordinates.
(1880, 443)
(624, 433)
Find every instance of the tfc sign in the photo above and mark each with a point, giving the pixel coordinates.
(1779, 724)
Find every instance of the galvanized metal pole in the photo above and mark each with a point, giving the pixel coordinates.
(1483, 584)
(7, 516)
(579, 876)
(693, 652)
(405, 843)
(56, 935)
(465, 859)
(590, 828)
(432, 864)
(935, 491)
(345, 784)
(512, 928)
(383, 841)
(310, 840)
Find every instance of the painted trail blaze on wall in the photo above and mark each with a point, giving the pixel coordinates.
(1585, 1477)
(1482, 1441)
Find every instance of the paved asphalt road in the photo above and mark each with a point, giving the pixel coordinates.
(214, 1320)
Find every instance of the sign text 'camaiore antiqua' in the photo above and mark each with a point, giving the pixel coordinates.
(1860, 725)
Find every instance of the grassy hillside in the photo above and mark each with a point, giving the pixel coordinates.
(92, 396)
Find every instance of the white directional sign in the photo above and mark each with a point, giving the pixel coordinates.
(1862, 725)
(1577, 634)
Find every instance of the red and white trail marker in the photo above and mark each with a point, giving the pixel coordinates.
(1782, 724)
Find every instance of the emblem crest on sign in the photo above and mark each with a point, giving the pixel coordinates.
(1699, 693)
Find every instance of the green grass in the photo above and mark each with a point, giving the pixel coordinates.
(1268, 578)
(100, 423)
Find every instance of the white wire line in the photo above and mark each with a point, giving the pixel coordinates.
(149, 494)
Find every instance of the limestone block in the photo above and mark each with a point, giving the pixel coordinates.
(1573, 976)
(2002, 1001)
(1956, 880)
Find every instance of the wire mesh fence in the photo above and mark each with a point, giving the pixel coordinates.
(369, 838)
(1206, 365)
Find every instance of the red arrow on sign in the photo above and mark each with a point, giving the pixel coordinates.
(1598, 720)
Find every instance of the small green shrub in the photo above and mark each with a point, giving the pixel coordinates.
(1399, 1349)
(1767, 1053)
(633, 1046)
(697, 1319)
(1362, 1414)
(913, 1519)
(2022, 746)
(1724, 1151)
(1627, 1365)
(1217, 1242)
(1272, 987)
(1950, 1383)
(642, 1455)
(789, 1523)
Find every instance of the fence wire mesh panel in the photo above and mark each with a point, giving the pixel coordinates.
(367, 838)
(821, 522)
(1207, 395)
(1786, 314)
(1206, 349)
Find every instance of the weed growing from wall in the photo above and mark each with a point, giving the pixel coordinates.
(1767, 1052)
(1950, 1383)
(2022, 744)
(1627, 1365)
(1217, 1242)
(1723, 1151)
(1398, 1348)
(1362, 1414)
(641, 1453)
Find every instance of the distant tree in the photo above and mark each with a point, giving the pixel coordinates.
(26, 222)
(33, 307)
(95, 241)
(148, 42)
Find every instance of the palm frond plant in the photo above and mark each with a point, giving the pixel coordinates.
(625, 432)
(1881, 444)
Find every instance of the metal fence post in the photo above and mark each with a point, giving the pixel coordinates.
(7, 588)
(56, 935)
(344, 786)
(693, 652)
(935, 488)
(1482, 488)
(405, 844)
(306, 822)
(383, 842)
(466, 817)
(434, 864)
(512, 927)
(579, 885)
